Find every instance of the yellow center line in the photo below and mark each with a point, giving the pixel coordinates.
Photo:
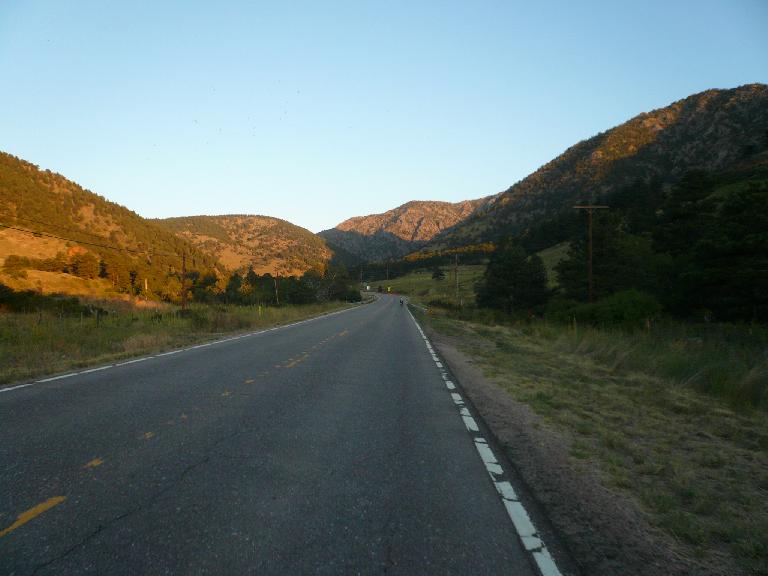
(32, 513)
(93, 463)
(291, 362)
(249, 381)
(148, 435)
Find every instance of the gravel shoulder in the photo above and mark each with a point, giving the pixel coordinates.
(604, 531)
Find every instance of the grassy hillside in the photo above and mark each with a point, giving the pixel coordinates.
(422, 288)
(98, 239)
(551, 257)
(267, 244)
(712, 130)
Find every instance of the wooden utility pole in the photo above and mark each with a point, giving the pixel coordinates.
(589, 208)
(456, 275)
(183, 280)
(277, 296)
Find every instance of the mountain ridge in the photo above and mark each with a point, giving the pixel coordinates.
(709, 130)
(265, 243)
(401, 230)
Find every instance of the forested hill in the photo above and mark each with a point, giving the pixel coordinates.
(267, 244)
(107, 241)
(401, 230)
(711, 131)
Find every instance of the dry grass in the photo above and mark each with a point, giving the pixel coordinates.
(22, 244)
(697, 465)
(40, 344)
(59, 283)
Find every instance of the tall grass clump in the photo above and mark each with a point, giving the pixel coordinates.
(728, 361)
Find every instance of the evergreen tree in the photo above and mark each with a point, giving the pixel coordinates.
(620, 261)
(438, 273)
(718, 242)
(232, 291)
(85, 265)
(513, 281)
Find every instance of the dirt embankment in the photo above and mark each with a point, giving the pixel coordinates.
(606, 532)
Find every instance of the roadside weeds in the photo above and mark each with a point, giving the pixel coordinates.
(638, 476)
(33, 345)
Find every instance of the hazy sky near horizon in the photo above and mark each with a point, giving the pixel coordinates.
(318, 111)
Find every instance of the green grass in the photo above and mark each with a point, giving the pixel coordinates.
(551, 257)
(422, 288)
(632, 405)
(38, 344)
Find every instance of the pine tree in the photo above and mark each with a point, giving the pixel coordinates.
(513, 281)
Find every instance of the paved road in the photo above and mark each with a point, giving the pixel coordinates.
(328, 447)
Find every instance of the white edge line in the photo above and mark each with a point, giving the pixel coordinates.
(134, 361)
(526, 531)
(59, 377)
(100, 368)
(171, 352)
(16, 387)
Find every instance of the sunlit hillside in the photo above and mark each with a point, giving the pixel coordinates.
(52, 225)
(712, 130)
(269, 245)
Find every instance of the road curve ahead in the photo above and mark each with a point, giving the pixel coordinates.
(329, 447)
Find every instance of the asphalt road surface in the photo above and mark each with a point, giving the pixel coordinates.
(329, 447)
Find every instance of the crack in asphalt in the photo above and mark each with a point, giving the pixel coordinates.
(148, 503)
(401, 441)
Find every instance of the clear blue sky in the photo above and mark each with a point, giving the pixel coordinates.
(318, 111)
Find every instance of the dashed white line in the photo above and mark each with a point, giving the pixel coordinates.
(545, 562)
(470, 423)
(505, 490)
(517, 513)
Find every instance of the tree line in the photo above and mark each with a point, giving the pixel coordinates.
(206, 285)
(697, 250)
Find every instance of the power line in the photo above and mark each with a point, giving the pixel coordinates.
(68, 228)
(116, 248)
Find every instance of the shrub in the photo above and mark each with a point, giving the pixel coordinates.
(441, 303)
(351, 295)
(629, 309)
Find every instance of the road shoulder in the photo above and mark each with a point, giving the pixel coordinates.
(604, 532)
